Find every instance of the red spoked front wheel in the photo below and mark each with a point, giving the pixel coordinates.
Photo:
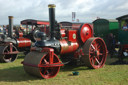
(42, 64)
(48, 70)
(95, 53)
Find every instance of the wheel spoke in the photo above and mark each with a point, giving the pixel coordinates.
(102, 60)
(93, 47)
(97, 57)
(93, 61)
(46, 62)
(46, 71)
(6, 50)
(11, 47)
(97, 61)
(100, 53)
(98, 46)
(91, 52)
(91, 57)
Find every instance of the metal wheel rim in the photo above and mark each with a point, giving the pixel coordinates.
(95, 53)
(9, 57)
(49, 72)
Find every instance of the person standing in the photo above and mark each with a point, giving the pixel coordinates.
(111, 44)
(1, 29)
(125, 28)
(4, 29)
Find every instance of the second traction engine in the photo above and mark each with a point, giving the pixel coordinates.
(13, 43)
(77, 43)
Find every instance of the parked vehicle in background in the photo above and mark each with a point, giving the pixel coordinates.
(19, 39)
(123, 36)
(108, 30)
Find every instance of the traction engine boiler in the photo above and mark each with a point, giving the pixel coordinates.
(78, 43)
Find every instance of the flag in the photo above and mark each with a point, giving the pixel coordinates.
(73, 16)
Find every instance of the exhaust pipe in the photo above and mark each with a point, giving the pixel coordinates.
(52, 20)
(10, 29)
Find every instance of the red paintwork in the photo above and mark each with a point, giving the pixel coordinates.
(49, 64)
(62, 32)
(42, 22)
(91, 24)
(77, 53)
(72, 35)
(10, 50)
(45, 29)
(51, 57)
(125, 46)
(53, 64)
(68, 48)
(10, 47)
(72, 39)
(34, 22)
(86, 32)
(23, 42)
(76, 26)
(20, 34)
(97, 53)
(72, 42)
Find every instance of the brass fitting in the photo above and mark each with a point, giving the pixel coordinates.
(10, 17)
(51, 6)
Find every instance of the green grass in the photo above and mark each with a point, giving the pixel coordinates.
(13, 74)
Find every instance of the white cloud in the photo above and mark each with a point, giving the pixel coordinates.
(86, 10)
(123, 7)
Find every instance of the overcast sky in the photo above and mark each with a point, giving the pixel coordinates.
(86, 10)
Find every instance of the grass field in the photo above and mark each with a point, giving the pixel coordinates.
(13, 74)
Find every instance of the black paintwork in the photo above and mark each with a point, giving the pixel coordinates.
(10, 29)
(53, 42)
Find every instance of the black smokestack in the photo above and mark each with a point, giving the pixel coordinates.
(10, 29)
(52, 20)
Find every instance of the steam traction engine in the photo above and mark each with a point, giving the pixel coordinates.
(79, 43)
(11, 45)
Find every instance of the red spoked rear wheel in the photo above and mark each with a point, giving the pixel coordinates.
(95, 53)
